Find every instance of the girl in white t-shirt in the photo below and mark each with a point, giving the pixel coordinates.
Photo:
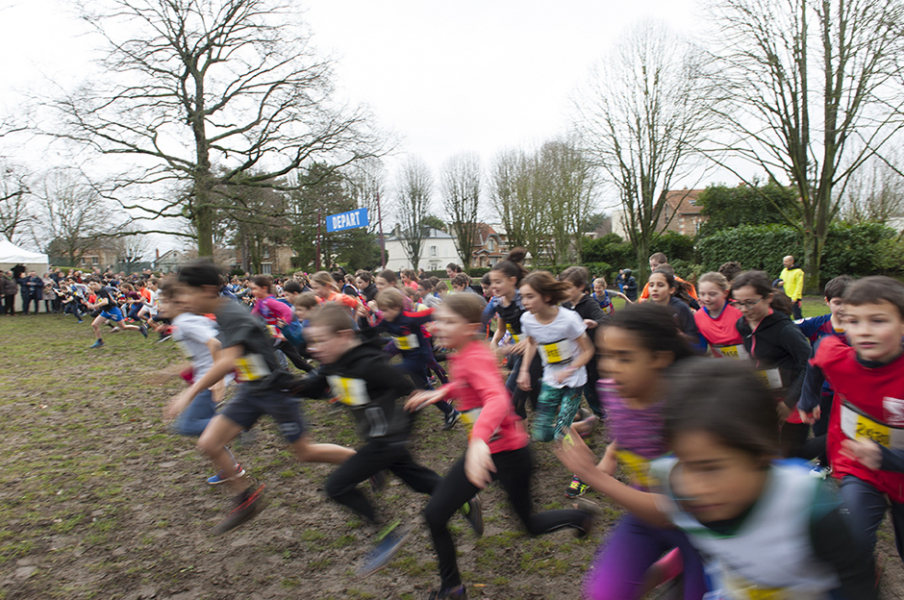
(560, 338)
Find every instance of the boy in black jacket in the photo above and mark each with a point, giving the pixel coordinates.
(360, 376)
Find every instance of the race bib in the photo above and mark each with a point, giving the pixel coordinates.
(251, 368)
(351, 392)
(771, 378)
(556, 353)
(738, 588)
(859, 426)
(737, 351)
(637, 467)
(406, 342)
(469, 418)
(515, 336)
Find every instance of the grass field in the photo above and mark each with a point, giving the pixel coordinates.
(99, 500)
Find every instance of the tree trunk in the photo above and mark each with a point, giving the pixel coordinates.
(811, 261)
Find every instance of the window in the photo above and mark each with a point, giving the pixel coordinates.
(434, 266)
(432, 250)
(266, 268)
(266, 252)
(94, 260)
(697, 226)
(490, 245)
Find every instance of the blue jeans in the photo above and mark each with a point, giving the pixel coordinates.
(195, 418)
(867, 506)
(415, 365)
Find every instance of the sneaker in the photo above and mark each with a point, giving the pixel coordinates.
(451, 419)
(457, 593)
(143, 330)
(820, 472)
(247, 505)
(473, 512)
(79, 321)
(98, 344)
(390, 543)
(219, 478)
(377, 481)
(576, 488)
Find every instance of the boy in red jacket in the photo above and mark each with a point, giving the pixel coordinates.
(866, 431)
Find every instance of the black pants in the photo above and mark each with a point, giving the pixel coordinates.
(293, 355)
(370, 459)
(520, 398)
(794, 439)
(795, 309)
(513, 469)
(10, 304)
(73, 307)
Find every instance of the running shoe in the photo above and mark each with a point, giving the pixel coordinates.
(451, 419)
(143, 330)
(473, 512)
(79, 321)
(457, 593)
(390, 542)
(820, 472)
(219, 478)
(98, 344)
(247, 505)
(576, 488)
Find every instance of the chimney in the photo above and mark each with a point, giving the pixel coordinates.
(158, 253)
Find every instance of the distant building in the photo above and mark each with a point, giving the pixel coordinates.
(680, 214)
(491, 246)
(437, 250)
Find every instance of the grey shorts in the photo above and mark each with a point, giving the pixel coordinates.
(249, 404)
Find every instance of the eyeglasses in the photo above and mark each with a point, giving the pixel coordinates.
(745, 305)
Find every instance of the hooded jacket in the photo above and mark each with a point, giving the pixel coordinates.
(778, 343)
(370, 388)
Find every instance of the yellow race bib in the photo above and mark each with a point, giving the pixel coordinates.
(556, 353)
(771, 378)
(739, 588)
(859, 426)
(406, 342)
(251, 368)
(737, 352)
(515, 336)
(351, 392)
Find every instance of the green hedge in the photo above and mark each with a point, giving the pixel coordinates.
(857, 250)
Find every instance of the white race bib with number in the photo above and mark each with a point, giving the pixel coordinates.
(251, 368)
(859, 426)
(406, 342)
(556, 353)
(351, 392)
(737, 351)
(771, 377)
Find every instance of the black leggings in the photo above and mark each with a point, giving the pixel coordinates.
(794, 439)
(10, 307)
(370, 459)
(513, 470)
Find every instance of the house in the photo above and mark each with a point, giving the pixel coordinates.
(680, 214)
(491, 246)
(169, 261)
(276, 259)
(437, 250)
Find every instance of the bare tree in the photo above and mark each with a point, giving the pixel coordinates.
(810, 91)
(461, 177)
(72, 217)
(641, 117)
(15, 215)
(131, 250)
(190, 84)
(414, 187)
(567, 181)
(874, 194)
(505, 173)
(365, 184)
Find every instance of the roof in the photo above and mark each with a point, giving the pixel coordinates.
(430, 233)
(685, 199)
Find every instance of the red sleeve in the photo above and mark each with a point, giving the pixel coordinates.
(830, 348)
(419, 317)
(488, 386)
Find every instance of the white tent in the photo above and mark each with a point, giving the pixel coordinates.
(11, 255)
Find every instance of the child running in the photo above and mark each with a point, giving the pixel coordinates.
(772, 530)
(778, 348)
(717, 318)
(498, 444)
(560, 337)
(665, 290)
(601, 295)
(867, 422)
(105, 302)
(360, 375)
(248, 350)
(639, 345)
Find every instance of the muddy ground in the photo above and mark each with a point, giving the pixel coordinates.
(99, 500)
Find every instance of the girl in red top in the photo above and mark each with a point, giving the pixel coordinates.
(717, 318)
(498, 446)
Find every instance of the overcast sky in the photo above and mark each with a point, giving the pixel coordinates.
(447, 77)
